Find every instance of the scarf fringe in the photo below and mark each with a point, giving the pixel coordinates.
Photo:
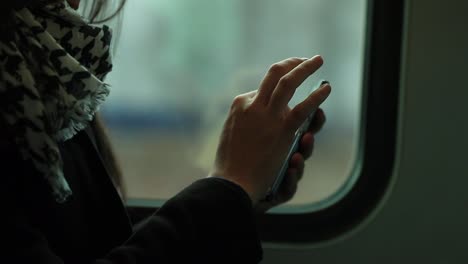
(79, 120)
(61, 191)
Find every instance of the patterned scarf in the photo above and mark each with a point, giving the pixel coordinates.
(51, 83)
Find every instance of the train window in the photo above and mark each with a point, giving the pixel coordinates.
(178, 65)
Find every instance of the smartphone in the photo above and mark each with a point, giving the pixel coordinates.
(293, 149)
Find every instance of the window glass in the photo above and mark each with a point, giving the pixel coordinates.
(179, 63)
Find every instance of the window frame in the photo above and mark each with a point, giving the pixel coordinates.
(377, 140)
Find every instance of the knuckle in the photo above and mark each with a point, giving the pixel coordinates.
(242, 103)
(237, 102)
(276, 69)
(280, 68)
(285, 81)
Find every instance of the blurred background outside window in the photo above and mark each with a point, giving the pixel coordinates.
(179, 63)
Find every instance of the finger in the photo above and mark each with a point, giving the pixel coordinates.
(273, 75)
(300, 112)
(288, 188)
(287, 85)
(297, 163)
(318, 121)
(306, 145)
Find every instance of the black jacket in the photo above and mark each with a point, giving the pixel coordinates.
(211, 221)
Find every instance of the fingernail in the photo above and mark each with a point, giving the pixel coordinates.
(324, 82)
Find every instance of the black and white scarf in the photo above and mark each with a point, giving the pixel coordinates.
(51, 83)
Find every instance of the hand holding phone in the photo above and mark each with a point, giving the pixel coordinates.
(293, 149)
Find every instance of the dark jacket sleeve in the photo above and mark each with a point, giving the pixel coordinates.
(211, 221)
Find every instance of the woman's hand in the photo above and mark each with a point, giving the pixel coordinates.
(260, 128)
(295, 171)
